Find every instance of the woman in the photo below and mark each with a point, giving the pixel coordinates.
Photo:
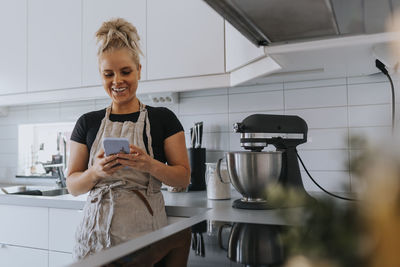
(125, 199)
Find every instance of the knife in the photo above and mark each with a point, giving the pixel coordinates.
(192, 137)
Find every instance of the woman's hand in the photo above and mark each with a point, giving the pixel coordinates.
(137, 159)
(104, 166)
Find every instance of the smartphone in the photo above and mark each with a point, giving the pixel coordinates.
(115, 145)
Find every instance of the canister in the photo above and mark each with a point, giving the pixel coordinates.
(217, 187)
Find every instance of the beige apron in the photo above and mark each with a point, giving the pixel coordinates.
(125, 205)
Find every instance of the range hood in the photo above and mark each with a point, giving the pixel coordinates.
(266, 22)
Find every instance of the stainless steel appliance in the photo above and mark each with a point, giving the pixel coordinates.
(253, 172)
(219, 243)
(253, 244)
(266, 22)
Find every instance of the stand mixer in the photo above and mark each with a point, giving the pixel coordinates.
(253, 171)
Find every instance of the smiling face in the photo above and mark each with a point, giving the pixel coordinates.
(120, 75)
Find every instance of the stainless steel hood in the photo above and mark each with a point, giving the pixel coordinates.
(265, 22)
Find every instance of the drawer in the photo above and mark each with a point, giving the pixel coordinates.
(24, 226)
(14, 256)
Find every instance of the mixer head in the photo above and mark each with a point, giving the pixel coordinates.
(283, 131)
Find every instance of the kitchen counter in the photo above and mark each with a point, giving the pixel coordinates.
(193, 205)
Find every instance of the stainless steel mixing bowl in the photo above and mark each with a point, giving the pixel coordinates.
(251, 173)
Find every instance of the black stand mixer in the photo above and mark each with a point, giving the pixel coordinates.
(250, 170)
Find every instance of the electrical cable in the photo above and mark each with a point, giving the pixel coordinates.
(320, 187)
(382, 67)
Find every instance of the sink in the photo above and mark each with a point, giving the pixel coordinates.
(34, 190)
(55, 192)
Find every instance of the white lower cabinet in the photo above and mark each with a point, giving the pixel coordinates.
(59, 259)
(14, 256)
(62, 227)
(36, 236)
(24, 226)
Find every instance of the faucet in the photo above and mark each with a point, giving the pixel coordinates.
(61, 181)
(62, 138)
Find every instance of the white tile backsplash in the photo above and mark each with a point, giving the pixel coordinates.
(8, 131)
(256, 88)
(326, 139)
(378, 77)
(7, 146)
(212, 123)
(245, 102)
(234, 142)
(213, 156)
(206, 92)
(316, 83)
(370, 93)
(18, 114)
(322, 117)
(334, 109)
(334, 181)
(71, 111)
(7, 174)
(371, 115)
(203, 105)
(9, 160)
(216, 141)
(325, 160)
(316, 97)
(44, 113)
(373, 135)
(102, 103)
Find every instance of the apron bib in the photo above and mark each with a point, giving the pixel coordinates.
(125, 205)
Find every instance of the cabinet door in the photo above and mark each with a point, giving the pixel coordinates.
(13, 256)
(62, 227)
(13, 47)
(239, 50)
(24, 226)
(95, 12)
(184, 38)
(54, 44)
(58, 259)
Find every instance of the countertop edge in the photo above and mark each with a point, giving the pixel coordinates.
(193, 205)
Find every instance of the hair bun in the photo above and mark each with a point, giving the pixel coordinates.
(118, 33)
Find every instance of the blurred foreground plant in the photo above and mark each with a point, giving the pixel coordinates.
(337, 233)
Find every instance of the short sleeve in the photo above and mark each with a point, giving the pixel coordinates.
(80, 131)
(171, 123)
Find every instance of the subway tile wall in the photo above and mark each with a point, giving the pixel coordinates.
(334, 109)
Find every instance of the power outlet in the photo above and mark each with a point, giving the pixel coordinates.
(164, 98)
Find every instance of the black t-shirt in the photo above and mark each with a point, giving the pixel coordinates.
(163, 124)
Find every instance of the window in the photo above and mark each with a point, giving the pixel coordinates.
(41, 144)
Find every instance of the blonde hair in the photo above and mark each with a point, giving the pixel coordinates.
(116, 34)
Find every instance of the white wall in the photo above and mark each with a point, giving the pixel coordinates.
(334, 109)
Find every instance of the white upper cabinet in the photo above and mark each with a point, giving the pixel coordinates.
(184, 38)
(95, 12)
(13, 47)
(54, 44)
(239, 50)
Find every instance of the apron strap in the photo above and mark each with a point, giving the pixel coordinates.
(144, 116)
